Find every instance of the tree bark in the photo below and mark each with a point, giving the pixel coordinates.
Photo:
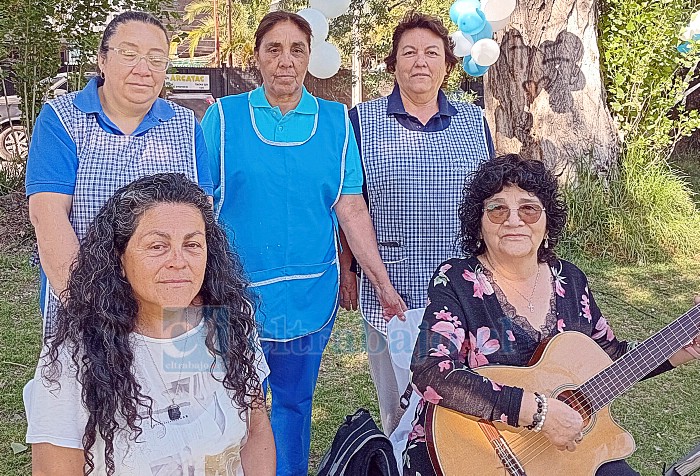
(544, 97)
(275, 5)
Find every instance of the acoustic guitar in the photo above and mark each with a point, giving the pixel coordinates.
(570, 367)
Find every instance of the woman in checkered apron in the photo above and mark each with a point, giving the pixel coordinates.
(88, 144)
(417, 149)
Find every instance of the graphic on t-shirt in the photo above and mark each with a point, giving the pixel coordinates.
(204, 438)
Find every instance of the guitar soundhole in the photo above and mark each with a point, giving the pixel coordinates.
(578, 402)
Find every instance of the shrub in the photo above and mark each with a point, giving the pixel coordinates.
(646, 77)
(643, 211)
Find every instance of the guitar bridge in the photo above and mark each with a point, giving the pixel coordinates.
(502, 449)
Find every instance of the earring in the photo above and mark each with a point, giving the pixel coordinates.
(478, 244)
(546, 242)
(102, 74)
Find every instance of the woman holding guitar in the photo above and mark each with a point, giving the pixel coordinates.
(496, 307)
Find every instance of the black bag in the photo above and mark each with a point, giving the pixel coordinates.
(359, 449)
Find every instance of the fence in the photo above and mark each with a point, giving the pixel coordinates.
(227, 81)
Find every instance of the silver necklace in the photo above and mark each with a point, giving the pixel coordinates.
(530, 307)
(174, 412)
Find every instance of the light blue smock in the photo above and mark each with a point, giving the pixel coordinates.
(275, 200)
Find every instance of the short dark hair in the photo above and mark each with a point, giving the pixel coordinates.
(126, 17)
(489, 179)
(270, 20)
(413, 20)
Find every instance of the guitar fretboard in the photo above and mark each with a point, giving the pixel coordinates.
(629, 369)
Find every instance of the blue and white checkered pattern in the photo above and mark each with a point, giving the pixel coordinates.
(107, 162)
(414, 182)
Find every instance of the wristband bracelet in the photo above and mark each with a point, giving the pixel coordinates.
(539, 417)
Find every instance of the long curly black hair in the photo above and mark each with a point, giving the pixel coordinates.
(99, 314)
(489, 179)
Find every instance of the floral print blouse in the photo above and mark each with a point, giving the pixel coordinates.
(469, 323)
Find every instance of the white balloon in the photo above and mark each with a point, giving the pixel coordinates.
(330, 8)
(463, 45)
(324, 61)
(485, 52)
(318, 22)
(497, 10)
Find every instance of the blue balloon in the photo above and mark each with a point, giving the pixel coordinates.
(473, 69)
(472, 21)
(685, 46)
(486, 32)
(462, 6)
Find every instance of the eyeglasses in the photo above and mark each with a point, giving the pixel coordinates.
(132, 58)
(498, 214)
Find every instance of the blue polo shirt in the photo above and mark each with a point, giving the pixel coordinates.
(53, 158)
(439, 122)
(294, 126)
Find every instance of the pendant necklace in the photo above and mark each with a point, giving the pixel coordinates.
(174, 412)
(530, 306)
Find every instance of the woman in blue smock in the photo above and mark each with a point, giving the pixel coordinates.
(286, 172)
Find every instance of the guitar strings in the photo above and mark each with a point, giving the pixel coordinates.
(527, 448)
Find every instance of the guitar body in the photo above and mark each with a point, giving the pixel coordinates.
(457, 444)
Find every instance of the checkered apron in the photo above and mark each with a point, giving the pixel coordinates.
(107, 162)
(414, 182)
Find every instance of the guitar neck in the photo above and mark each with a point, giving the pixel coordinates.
(606, 386)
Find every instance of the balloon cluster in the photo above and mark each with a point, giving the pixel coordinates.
(691, 33)
(477, 21)
(324, 61)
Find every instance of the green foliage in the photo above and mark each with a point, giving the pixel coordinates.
(643, 212)
(245, 17)
(645, 75)
(377, 21)
(30, 42)
(12, 176)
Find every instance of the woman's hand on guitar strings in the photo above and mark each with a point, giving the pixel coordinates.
(563, 425)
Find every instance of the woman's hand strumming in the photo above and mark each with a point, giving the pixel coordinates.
(563, 425)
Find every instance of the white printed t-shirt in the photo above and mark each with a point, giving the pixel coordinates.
(206, 439)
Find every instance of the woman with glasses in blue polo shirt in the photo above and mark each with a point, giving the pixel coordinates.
(88, 144)
(286, 171)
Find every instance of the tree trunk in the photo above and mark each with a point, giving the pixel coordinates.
(544, 97)
(275, 5)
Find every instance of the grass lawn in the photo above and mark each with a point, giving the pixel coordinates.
(661, 413)
(687, 162)
(20, 334)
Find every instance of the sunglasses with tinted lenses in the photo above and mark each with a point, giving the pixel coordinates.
(498, 214)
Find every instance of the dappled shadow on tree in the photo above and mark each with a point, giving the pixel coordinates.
(553, 67)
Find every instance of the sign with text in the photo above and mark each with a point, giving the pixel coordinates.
(189, 82)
